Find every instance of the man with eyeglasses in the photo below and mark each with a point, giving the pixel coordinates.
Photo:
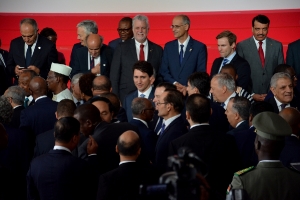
(182, 56)
(124, 31)
(129, 52)
(31, 51)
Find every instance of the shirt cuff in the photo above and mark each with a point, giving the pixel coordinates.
(93, 154)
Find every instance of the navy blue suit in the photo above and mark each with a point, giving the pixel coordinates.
(175, 129)
(241, 66)
(80, 62)
(44, 143)
(195, 58)
(114, 43)
(291, 151)
(218, 119)
(5, 79)
(58, 175)
(147, 137)
(15, 121)
(243, 126)
(128, 101)
(245, 143)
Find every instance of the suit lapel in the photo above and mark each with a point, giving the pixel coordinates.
(269, 51)
(254, 51)
(133, 50)
(150, 51)
(37, 50)
(188, 52)
(22, 51)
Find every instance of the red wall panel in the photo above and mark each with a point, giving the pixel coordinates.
(284, 26)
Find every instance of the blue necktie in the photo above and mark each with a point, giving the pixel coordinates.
(158, 126)
(223, 104)
(142, 95)
(225, 61)
(163, 126)
(181, 53)
(28, 55)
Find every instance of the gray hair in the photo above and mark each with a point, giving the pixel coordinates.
(241, 105)
(31, 22)
(6, 110)
(141, 18)
(185, 19)
(76, 78)
(90, 26)
(16, 93)
(137, 106)
(226, 80)
(277, 76)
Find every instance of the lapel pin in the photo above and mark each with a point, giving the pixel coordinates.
(191, 49)
(150, 50)
(39, 47)
(104, 64)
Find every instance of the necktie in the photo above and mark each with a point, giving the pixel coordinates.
(163, 126)
(222, 104)
(142, 55)
(225, 61)
(28, 55)
(142, 95)
(158, 126)
(283, 106)
(261, 53)
(78, 103)
(26, 102)
(92, 63)
(181, 53)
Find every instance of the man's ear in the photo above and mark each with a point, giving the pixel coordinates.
(117, 150)
(56, 115)
(152, 79)
(187, 114)
(110, 90)
(89, 123)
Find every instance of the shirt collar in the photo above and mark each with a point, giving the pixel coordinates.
(227, 100)
(239, 123)
(229, 58)
(256, 41)
(61, 148)
(138, 43)
(195, 125)
(170, 120)
(128, 161)
(146, 93)
(185, 42)
(41, 97)
(141, 121)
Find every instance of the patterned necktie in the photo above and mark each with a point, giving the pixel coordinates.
(181, 53)
(261, 54)
(26, 102)
(92, 62)
(225, 61)
(142, 55)
(163, 126)
(142, 95)
(28, 55)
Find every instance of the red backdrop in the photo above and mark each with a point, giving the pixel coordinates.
(284, 26)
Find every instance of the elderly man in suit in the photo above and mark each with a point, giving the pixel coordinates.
(124, 30)
(31, 51)
(131, 51)
(226, 46)
(96, 57)
(143, 78)
(263, 55)
(182, 56)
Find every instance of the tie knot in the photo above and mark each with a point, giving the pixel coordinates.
(225, 60)
(142, 95)
(260, 43)
(141, 46)
(283, 106)
(181, 46)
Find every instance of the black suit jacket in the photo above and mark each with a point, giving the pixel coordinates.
(242, 67)
(218, 119)
(175, 129)
(290, 152)
(80, 60)
(59, 175)
(114, 43)
(294, 103)
(124, 58)
(293, 56)
(44, 143)
(5, 80)
(15, 121)
(243, 126)
(44, 55)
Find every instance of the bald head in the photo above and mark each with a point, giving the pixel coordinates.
(129, 144)
(101, 84)
(93, 43)
(292, 116)
(38, 86)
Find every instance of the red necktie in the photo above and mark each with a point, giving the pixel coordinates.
(142, 55)
(261, 53)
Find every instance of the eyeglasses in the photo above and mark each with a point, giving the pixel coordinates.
(124, 30)
(158, 103)
(176, 26)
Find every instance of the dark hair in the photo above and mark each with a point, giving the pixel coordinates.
(65, 79)
(104, 99)
(128, 148)
(260, 106)
(105, 85)
(201, 81)
(88, 111)
(261, 19)
(115, 101)
(167, 86)
(230, 36)
(229, 66)
(175, 98)
(6, 110)
(30, 72)
(65, 128)
(126, 19)
(281, 68)
(48, 32)
(241, 105)
(86, 84)
(198, 106)
(66, 108)
(144, 67)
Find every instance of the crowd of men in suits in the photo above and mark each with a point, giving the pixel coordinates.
(132, 104)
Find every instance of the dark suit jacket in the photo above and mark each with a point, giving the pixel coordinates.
(260, 75)
(4, 54)
(218, 119)
(290, 152)
(242, 67)
(59, 175)
(5, 79)
(123, 182)
(106, 136)
(15, 121)
(245, 143)
(293, 56)
(114, 43)
(194, 60)
(175, 129)
(124, 58)
(128, 101)
(243, 126)
(147, 137)
(80, 62)
(294, 103)
(44, 55)
(75, 47)
(44, 143)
